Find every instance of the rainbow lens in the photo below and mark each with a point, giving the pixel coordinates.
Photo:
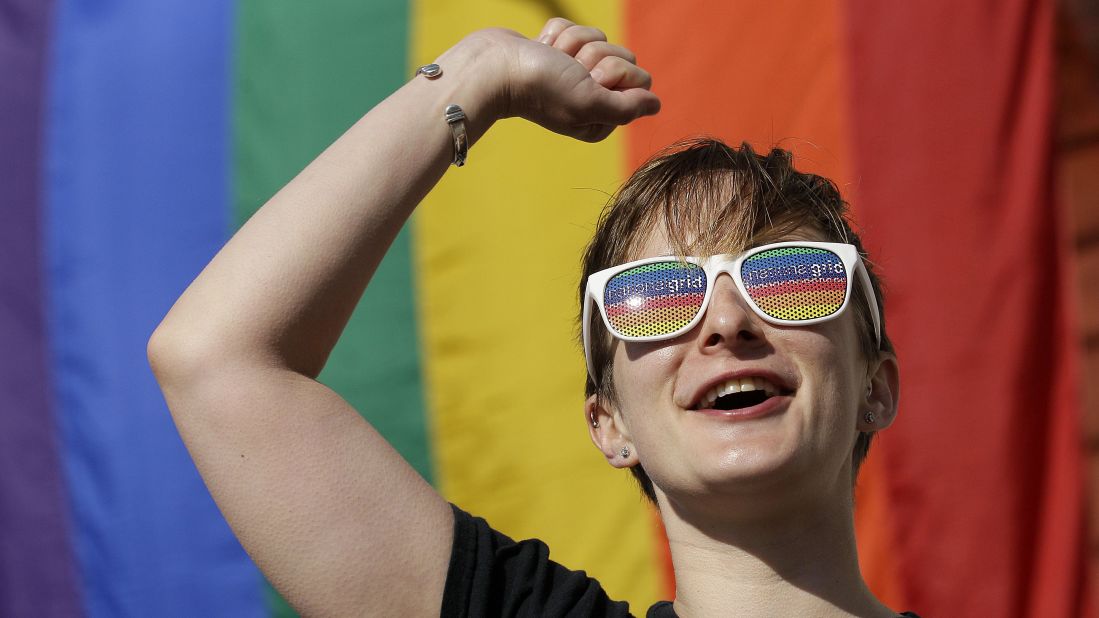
(654, 299)
(796, 283)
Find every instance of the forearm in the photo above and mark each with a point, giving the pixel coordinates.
(282, 289)
(334, 516)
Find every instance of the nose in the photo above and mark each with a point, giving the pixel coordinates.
(729, 321)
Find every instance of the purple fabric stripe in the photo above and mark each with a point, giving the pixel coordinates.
(37, 572)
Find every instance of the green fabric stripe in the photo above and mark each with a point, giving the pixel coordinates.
(304, 73)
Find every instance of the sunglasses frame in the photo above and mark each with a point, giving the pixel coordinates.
(730, 264)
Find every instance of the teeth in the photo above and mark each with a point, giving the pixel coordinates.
(736, 385)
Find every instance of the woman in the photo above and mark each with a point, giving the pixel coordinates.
(755, 488)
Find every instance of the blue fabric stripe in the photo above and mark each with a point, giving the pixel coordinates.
(137, 198)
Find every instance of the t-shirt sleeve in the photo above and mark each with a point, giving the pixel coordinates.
(492, 575)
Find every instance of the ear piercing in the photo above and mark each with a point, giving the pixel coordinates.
(869, 418)
(625, 452)
(594, 422)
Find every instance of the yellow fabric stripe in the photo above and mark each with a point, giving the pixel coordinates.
(497, 250)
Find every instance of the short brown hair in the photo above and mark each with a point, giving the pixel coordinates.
(712, 198)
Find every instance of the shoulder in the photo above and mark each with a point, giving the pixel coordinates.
(492, 575)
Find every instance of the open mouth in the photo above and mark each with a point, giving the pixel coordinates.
(738, 393)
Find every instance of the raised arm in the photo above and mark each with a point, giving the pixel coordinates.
(336, 519)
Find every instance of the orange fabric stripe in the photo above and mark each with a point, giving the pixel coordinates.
(769, 74)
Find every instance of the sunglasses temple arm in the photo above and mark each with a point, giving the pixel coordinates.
(585, 328)
(875, 312)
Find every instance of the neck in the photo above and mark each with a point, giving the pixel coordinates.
(785, 561)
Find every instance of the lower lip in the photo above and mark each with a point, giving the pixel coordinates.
(773, 405)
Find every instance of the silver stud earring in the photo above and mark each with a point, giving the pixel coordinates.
(625, 452)
(869, 418)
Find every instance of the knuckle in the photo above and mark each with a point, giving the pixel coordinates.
(574, 37)
(618, 51)
(589, 55)
(614, 64)
(567, 40)
(559, 23)
(625, 71)
(611, 61)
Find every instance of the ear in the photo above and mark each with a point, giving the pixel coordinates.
(608, 432)
(882, 394)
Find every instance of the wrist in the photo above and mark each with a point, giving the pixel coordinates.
(474, 76)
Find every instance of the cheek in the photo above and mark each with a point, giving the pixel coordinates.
(656, 353)
(832, 364)
(642, 368)
(644, 376)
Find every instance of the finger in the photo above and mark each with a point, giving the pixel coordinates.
(623, 106)
(615, 73)
(553, 27)
(591, 53)
(571, 39)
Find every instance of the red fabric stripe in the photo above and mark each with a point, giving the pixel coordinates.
(951, 111)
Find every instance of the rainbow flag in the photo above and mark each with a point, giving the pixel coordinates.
(138, 135)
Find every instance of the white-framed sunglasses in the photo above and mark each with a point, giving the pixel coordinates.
(793, 283)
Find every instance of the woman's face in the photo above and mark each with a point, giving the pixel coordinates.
(799, 439)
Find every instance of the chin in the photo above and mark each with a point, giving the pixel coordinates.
(751, 466)
(765, 466)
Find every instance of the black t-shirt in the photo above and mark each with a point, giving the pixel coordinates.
(492, 575)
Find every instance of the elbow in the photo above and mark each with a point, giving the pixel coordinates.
(157, 351)
(185, 374)
(163, 353)
(183, 355)
(177, 356)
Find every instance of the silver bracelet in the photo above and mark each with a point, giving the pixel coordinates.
(454, 116)
(456, 119)
(430, 71)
